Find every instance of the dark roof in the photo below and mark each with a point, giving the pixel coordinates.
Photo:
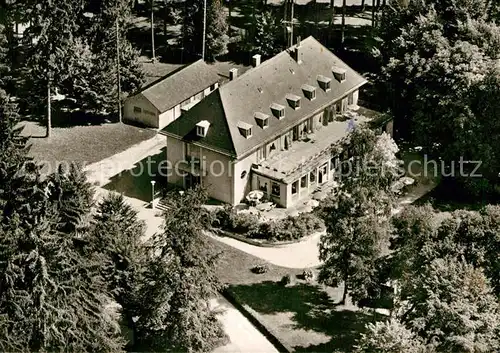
(180, 85)
(210, 109)
(259, 89)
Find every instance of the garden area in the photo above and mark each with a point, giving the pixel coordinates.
(290, 304)
(256, 227)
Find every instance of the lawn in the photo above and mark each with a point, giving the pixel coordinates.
(82, 144)
(302, 315)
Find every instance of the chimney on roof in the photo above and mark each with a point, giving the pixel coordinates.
(256, 60)
(297, 51)
(233, 73)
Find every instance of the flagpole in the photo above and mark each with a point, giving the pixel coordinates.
(204, 28)
(118, 71)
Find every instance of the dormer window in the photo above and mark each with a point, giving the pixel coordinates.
(339, 73)
(324, 82)
(245, 129)
(309, 92)
(293, 101)
(202, 128)
(262, 120)
(278, 110)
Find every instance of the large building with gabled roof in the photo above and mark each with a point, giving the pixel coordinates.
(164, 100)
(270, 129)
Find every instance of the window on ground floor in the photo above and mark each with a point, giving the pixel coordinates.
(137, 110)
(312, 176)
(295, 187)
(262, 185)
(275, 189)
(303, 181)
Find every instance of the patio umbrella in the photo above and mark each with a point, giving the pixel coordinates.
(407, 180)
(255, 195)
(397, 186)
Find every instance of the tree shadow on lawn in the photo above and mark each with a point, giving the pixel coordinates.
(63, 116)
(312, 309)
(136, 182)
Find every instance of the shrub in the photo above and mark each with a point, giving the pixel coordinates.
(308, 275)
(260, 269)
(223, 217)
(289, 228)
(286, 280)
(244, 222)
(228, 219)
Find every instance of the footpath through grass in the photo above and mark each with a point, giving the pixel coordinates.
(82, 144)
(302, 315)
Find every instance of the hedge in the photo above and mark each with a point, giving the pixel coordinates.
(250, 226)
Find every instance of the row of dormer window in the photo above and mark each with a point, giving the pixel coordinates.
(278, 110)
(293, 100)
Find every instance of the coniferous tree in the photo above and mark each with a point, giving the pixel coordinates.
(13, 149)
(117, 234)
(267, 35)
(50, 38)
(181, 280)
(53, 297)
(111, 19)
(192, 27)
(217, 30)
(4, 65)
(73, 196)
(77, 56)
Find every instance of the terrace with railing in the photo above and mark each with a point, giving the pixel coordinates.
(304, 155)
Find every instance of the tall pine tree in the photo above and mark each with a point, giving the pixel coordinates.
(53, 297)
(181, 280)
(13, 149)
(73, 196)
(117, 234)
(217, 30)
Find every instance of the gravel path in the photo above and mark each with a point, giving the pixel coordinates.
(244, 337)
(303, 254)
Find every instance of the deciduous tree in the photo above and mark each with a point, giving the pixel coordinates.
(450, 305)
(389, 337)
(439, 57)
(354, 240)
(357, 216)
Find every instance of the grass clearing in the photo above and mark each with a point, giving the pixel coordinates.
(81, 144)
(302, 315)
